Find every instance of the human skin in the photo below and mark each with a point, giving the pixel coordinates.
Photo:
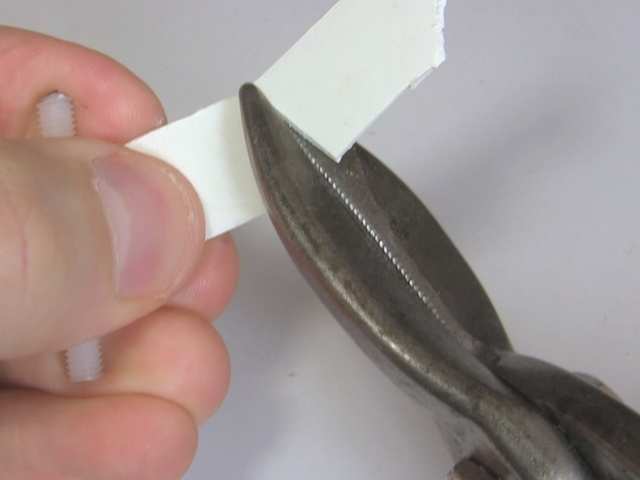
(72, 269)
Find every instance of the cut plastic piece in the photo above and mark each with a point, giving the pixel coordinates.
(332, 84)
(84, 361)
(55, 116)
(56, 119)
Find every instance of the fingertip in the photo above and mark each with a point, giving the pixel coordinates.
(136, 437)
(211, 287)
(172, 354)
(111, 103)
(117, 437)
(219, 391)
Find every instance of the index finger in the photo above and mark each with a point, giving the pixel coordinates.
(111, 103)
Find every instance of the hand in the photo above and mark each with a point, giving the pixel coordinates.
(99, 241)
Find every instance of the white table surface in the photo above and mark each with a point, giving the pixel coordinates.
(524, 144)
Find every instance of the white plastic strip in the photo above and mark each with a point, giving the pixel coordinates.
(208, 148)
(352, 64)
(332, 84)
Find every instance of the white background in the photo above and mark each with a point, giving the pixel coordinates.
(524, 144)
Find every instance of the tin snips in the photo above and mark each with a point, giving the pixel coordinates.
(388, 272)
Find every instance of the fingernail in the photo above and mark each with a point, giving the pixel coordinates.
(151, 221)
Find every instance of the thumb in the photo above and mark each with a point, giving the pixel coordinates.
(92, 236)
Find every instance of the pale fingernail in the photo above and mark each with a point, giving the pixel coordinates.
(151, 221)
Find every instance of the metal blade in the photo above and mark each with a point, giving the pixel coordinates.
(389, 274)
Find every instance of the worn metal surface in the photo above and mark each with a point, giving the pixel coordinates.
(603, 429)
(387, 271)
